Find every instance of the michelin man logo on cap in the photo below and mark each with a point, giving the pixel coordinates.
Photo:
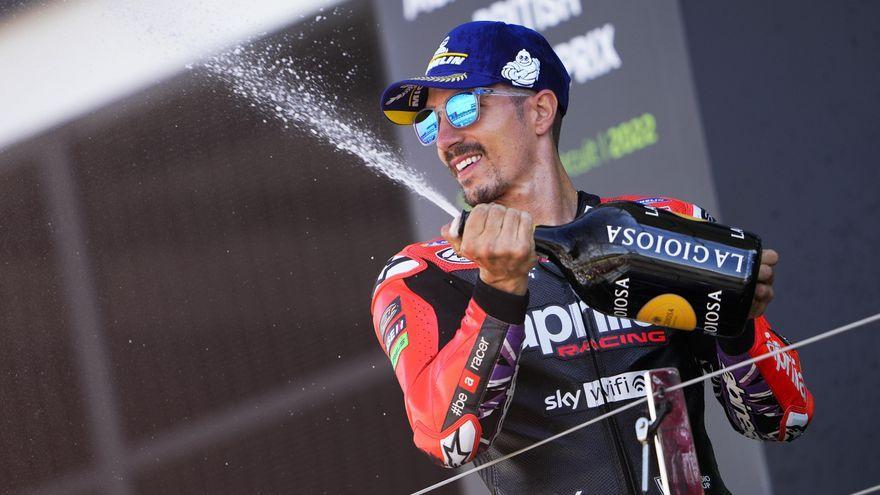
(523, 71)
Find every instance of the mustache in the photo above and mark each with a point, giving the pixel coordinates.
(462, 149)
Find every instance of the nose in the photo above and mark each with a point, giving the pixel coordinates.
(447, 136)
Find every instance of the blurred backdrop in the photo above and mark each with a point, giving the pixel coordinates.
(185, 275)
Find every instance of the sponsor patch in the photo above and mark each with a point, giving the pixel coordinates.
(401, 344)
(448, 255)
(444, 57)
(479, 365)
(795, 423)
(615, 388)
(738, 410)
(523, 70)
(450, 59)
(564, 401)
(478, 354)
(629, 339)
(559, 331)
(388, 315)
(469, 381)
(457, 446)
(395, 330)
(786, 363)
(459, 402)
(625, 386)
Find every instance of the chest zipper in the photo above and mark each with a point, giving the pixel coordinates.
(615, 429)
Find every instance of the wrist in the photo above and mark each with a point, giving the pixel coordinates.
(735, 346)
(517, 286)
(504, 306)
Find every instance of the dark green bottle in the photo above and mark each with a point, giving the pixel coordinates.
(636, 261)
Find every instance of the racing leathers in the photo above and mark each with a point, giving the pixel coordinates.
(485, 373)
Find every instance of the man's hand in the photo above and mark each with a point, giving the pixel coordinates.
(501, 242)
(764, 289)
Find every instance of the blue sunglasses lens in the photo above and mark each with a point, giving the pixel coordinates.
(461, 109)
(426, 125)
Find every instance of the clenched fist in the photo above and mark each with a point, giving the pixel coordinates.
(501, 242)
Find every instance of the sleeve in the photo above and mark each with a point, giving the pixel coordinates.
(454, 348)
(767, 401)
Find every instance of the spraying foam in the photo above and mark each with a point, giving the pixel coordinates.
(295, 97)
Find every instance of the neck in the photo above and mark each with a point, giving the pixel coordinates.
(548, 194)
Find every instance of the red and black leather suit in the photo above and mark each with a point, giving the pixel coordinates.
(485, 373)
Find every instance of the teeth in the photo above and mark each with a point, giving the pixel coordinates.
(467, 161)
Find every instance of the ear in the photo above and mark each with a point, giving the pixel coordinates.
(545, 104)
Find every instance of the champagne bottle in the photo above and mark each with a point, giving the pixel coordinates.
(636, 261)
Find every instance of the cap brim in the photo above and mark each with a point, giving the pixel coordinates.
(401, 101)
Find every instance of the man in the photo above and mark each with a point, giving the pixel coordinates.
(466, 319)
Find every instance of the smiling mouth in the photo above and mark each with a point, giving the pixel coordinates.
(467, 162)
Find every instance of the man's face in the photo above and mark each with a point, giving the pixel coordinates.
(490, 156)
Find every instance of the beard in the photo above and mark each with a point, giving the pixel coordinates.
(486, 193)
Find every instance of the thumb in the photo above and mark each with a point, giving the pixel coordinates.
(444, 232)
(449, 232)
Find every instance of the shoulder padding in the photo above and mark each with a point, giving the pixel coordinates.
(674, 205)
(415, 258)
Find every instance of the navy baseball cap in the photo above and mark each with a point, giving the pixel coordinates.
(478, 54)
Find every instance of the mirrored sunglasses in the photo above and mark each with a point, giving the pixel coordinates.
(461, 109)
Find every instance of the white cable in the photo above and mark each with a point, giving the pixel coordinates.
(811, 340)
(530, 447)
(866, 491)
